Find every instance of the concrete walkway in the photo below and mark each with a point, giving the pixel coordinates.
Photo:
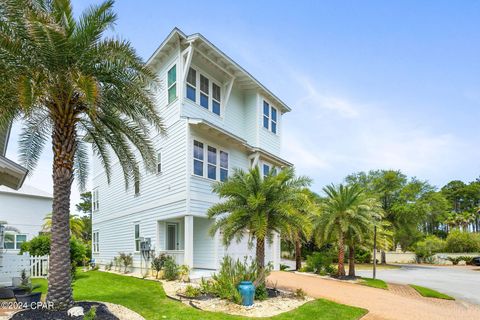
(382, 304)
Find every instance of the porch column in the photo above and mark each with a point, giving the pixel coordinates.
(188, 259)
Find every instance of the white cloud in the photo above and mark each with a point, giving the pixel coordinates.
(362, 136)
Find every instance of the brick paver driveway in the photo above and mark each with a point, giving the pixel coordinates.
(382, 304)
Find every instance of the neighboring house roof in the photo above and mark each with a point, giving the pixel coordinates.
(27, 191)
(4, 135)
(231, 67)
(12, 175)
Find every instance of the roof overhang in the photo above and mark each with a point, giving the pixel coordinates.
(230, 138)
(219, 58)
(12, 174)
(4, 136)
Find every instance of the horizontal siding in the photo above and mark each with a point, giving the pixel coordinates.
(118, 235)
(203, 244)
(115, 200)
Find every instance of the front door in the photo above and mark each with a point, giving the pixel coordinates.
(172, 236)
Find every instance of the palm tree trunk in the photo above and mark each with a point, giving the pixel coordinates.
(351, 260)
(59, 278)
(298, 254)
(341, 255)
(260, 254)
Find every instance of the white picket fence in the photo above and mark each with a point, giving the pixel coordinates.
(39, 266)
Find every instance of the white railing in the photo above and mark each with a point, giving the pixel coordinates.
(178, 255)
(39, 266)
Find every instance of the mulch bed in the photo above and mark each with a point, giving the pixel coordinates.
(102, 313)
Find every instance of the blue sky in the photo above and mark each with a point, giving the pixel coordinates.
(372, 84)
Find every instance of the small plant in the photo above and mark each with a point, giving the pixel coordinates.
(468, 260)
(455, 260)
(157, 263)
(117, 263)
(284, 267)
(300, 294)
(431, 260)
(126, 261)
(261, 292)
(91, 314)
(192, 292)
(205, 286)
(184, 273)
(109, 266)
(170, 269)
(320, 263)
(26, 284)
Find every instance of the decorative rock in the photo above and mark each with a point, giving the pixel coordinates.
(75, 312)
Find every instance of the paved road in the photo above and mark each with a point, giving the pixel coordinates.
(460, 282)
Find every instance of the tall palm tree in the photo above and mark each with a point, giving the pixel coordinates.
(360, 229)
(77, 225)
(309, 207)
(258, 207)
(69, 83)
(344, 213)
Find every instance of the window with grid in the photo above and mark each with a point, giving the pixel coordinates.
(216, 93)
(159, 162)
(204, 91)
(192, 84)
(198, 158)
(137, 237)
(212, 163)
(223, 166)
(172, 83)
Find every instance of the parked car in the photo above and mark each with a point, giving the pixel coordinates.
(476, 261)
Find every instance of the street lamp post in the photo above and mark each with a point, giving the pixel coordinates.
(374, 251)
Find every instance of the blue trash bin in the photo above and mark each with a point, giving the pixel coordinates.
(247, 291)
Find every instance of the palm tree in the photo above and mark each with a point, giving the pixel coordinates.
(71, 84)
(345, 215)
(258, 207)
(309, 207)
(367, 213)
(77, 225)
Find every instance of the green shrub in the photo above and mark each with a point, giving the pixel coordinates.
(284, 267)
(468, 260)
(261, 292)
(319, 263)
(91, 314)
(126, 261)
(300, 294)
(363, 256)
(158, 262)
(40, 246)
(171, 270)
(225, 282)
(454, 260)
(426, 248)
(458, 241)
(192, 292)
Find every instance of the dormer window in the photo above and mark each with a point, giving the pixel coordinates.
(209, 94)
(269, 117)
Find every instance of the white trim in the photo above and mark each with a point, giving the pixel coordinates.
(205, 158)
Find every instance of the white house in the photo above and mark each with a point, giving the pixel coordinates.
(12, 175)
(218, 117)
(23, 210)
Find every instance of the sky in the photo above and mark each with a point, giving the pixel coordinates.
(371, 84)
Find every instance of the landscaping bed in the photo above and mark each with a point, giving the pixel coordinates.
(279, 301)
(102, 312)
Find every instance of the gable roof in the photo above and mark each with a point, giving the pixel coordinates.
(241, 75)
(28, 191)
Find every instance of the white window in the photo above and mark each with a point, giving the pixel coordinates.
(209, 93)
(137, 187)
(270, 117)
(216, 166)
(137, 237)
(172, 83)
(266, 170)
(14, 241)
(159, 162)
(95, 241)
(95, 200)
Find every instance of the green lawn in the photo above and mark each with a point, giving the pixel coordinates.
(375, 283)
(369, 266)
(148, 299)
(430, 293)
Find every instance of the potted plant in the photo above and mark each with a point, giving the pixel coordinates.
(29, 296)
